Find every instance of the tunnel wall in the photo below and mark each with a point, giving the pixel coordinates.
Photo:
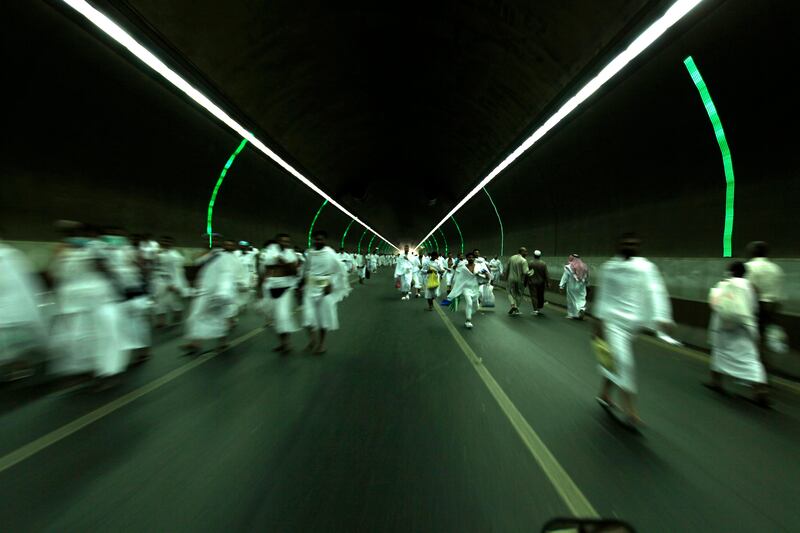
(91, 135)
(641, 155)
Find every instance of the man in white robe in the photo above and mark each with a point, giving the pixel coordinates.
(361, 267)
(280, 282)
(496, 268)
(405, 267)
(325, 285)
(23, 328)
(373, 262)
(214, 306)
(124, 264)
(168, 283)
(347, 260)
(467, 281)
(574, 281)
(87, 334)
(733, 333)
(631, 297)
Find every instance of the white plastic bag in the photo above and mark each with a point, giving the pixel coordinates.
(776, 339)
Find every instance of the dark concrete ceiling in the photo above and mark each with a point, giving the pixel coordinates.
(394, 108)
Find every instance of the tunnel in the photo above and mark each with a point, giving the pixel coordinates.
(404, 153)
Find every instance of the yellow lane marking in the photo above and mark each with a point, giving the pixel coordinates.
(34, 447)
(565, 487)
(704, 357)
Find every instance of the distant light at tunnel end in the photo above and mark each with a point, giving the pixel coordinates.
(114, 31)
(676, 12)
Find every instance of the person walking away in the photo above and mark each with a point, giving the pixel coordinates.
(767, 279)
(496, 268)
(433, 269)
(466, 283)
(516, 274)
(325, 285)
(574, 280)
(280, 281)
(631, 297)
(537, 279)
(733, 333)
(213, 309)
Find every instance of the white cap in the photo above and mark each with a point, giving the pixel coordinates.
(537, 253)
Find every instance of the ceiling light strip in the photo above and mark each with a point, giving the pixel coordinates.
(727, 161)
(114, 31)
(460, 235)
(444, 239)
(676, 12)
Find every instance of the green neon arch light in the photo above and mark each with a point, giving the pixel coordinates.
(502, 235)
(727, 161)
(311, 227)
(369, 246)
(460, 235)
(218, 185)
(435, 243)
(444, 240)
(344, 235)
(361, 239)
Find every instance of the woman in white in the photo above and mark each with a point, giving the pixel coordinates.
(87, 333)
(574, 280)
(280, 282)
(433, 270)
(466, 283)
(733, 333)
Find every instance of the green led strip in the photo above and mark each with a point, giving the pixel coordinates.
(435, 242)
(369, 246)
(502, 235)
(444, 239)
(218, 185)
(311, 228)
(727, 162)
(359, 240)
(459, 233)
(346, 230)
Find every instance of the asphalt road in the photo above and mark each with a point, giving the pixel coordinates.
(394, 430)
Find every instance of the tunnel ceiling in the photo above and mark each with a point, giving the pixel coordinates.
(394, 108)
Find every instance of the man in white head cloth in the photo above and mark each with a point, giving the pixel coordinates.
(280, 266)
(325, 285)
(466, 283)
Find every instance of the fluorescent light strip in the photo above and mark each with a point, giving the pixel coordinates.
(727, 161)
(676, 12)
(125, 39)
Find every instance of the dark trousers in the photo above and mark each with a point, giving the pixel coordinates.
(537, 295)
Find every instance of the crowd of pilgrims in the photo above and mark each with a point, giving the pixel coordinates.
(92, 312)
(630, 298)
